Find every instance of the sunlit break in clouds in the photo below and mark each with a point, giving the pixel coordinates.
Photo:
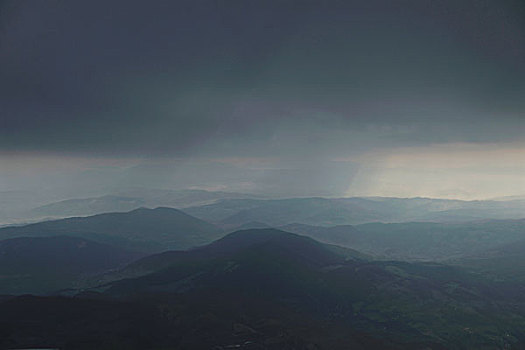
(461, 171)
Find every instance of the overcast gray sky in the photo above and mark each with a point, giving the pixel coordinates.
(289, 98)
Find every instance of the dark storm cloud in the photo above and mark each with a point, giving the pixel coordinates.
(259, 77)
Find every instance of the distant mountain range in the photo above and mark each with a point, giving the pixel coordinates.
(21, 207)
(419, 240)
(161, 229)
(88, 206)
(234, 210)
(343, 235)
(51, 255)
(126, 200)
(188, 284)
(351, 211)
(144, 230)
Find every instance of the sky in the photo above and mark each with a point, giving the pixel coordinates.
(278, 97)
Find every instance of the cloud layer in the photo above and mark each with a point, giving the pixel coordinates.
(304, 82)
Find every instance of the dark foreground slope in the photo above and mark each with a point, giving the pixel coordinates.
(505, 262)
(191, 322)
(46, 264)
(269, 289)
(150, 230)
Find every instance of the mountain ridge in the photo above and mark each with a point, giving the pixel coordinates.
(140, 229)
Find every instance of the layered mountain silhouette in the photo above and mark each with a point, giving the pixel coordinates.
(258, 289)
(343, 235)
(419, 240)
(284, 270)
(88, 206)
(128, 199)
(352, 211)
(146, 230)
(293, 246)
(251, 289)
